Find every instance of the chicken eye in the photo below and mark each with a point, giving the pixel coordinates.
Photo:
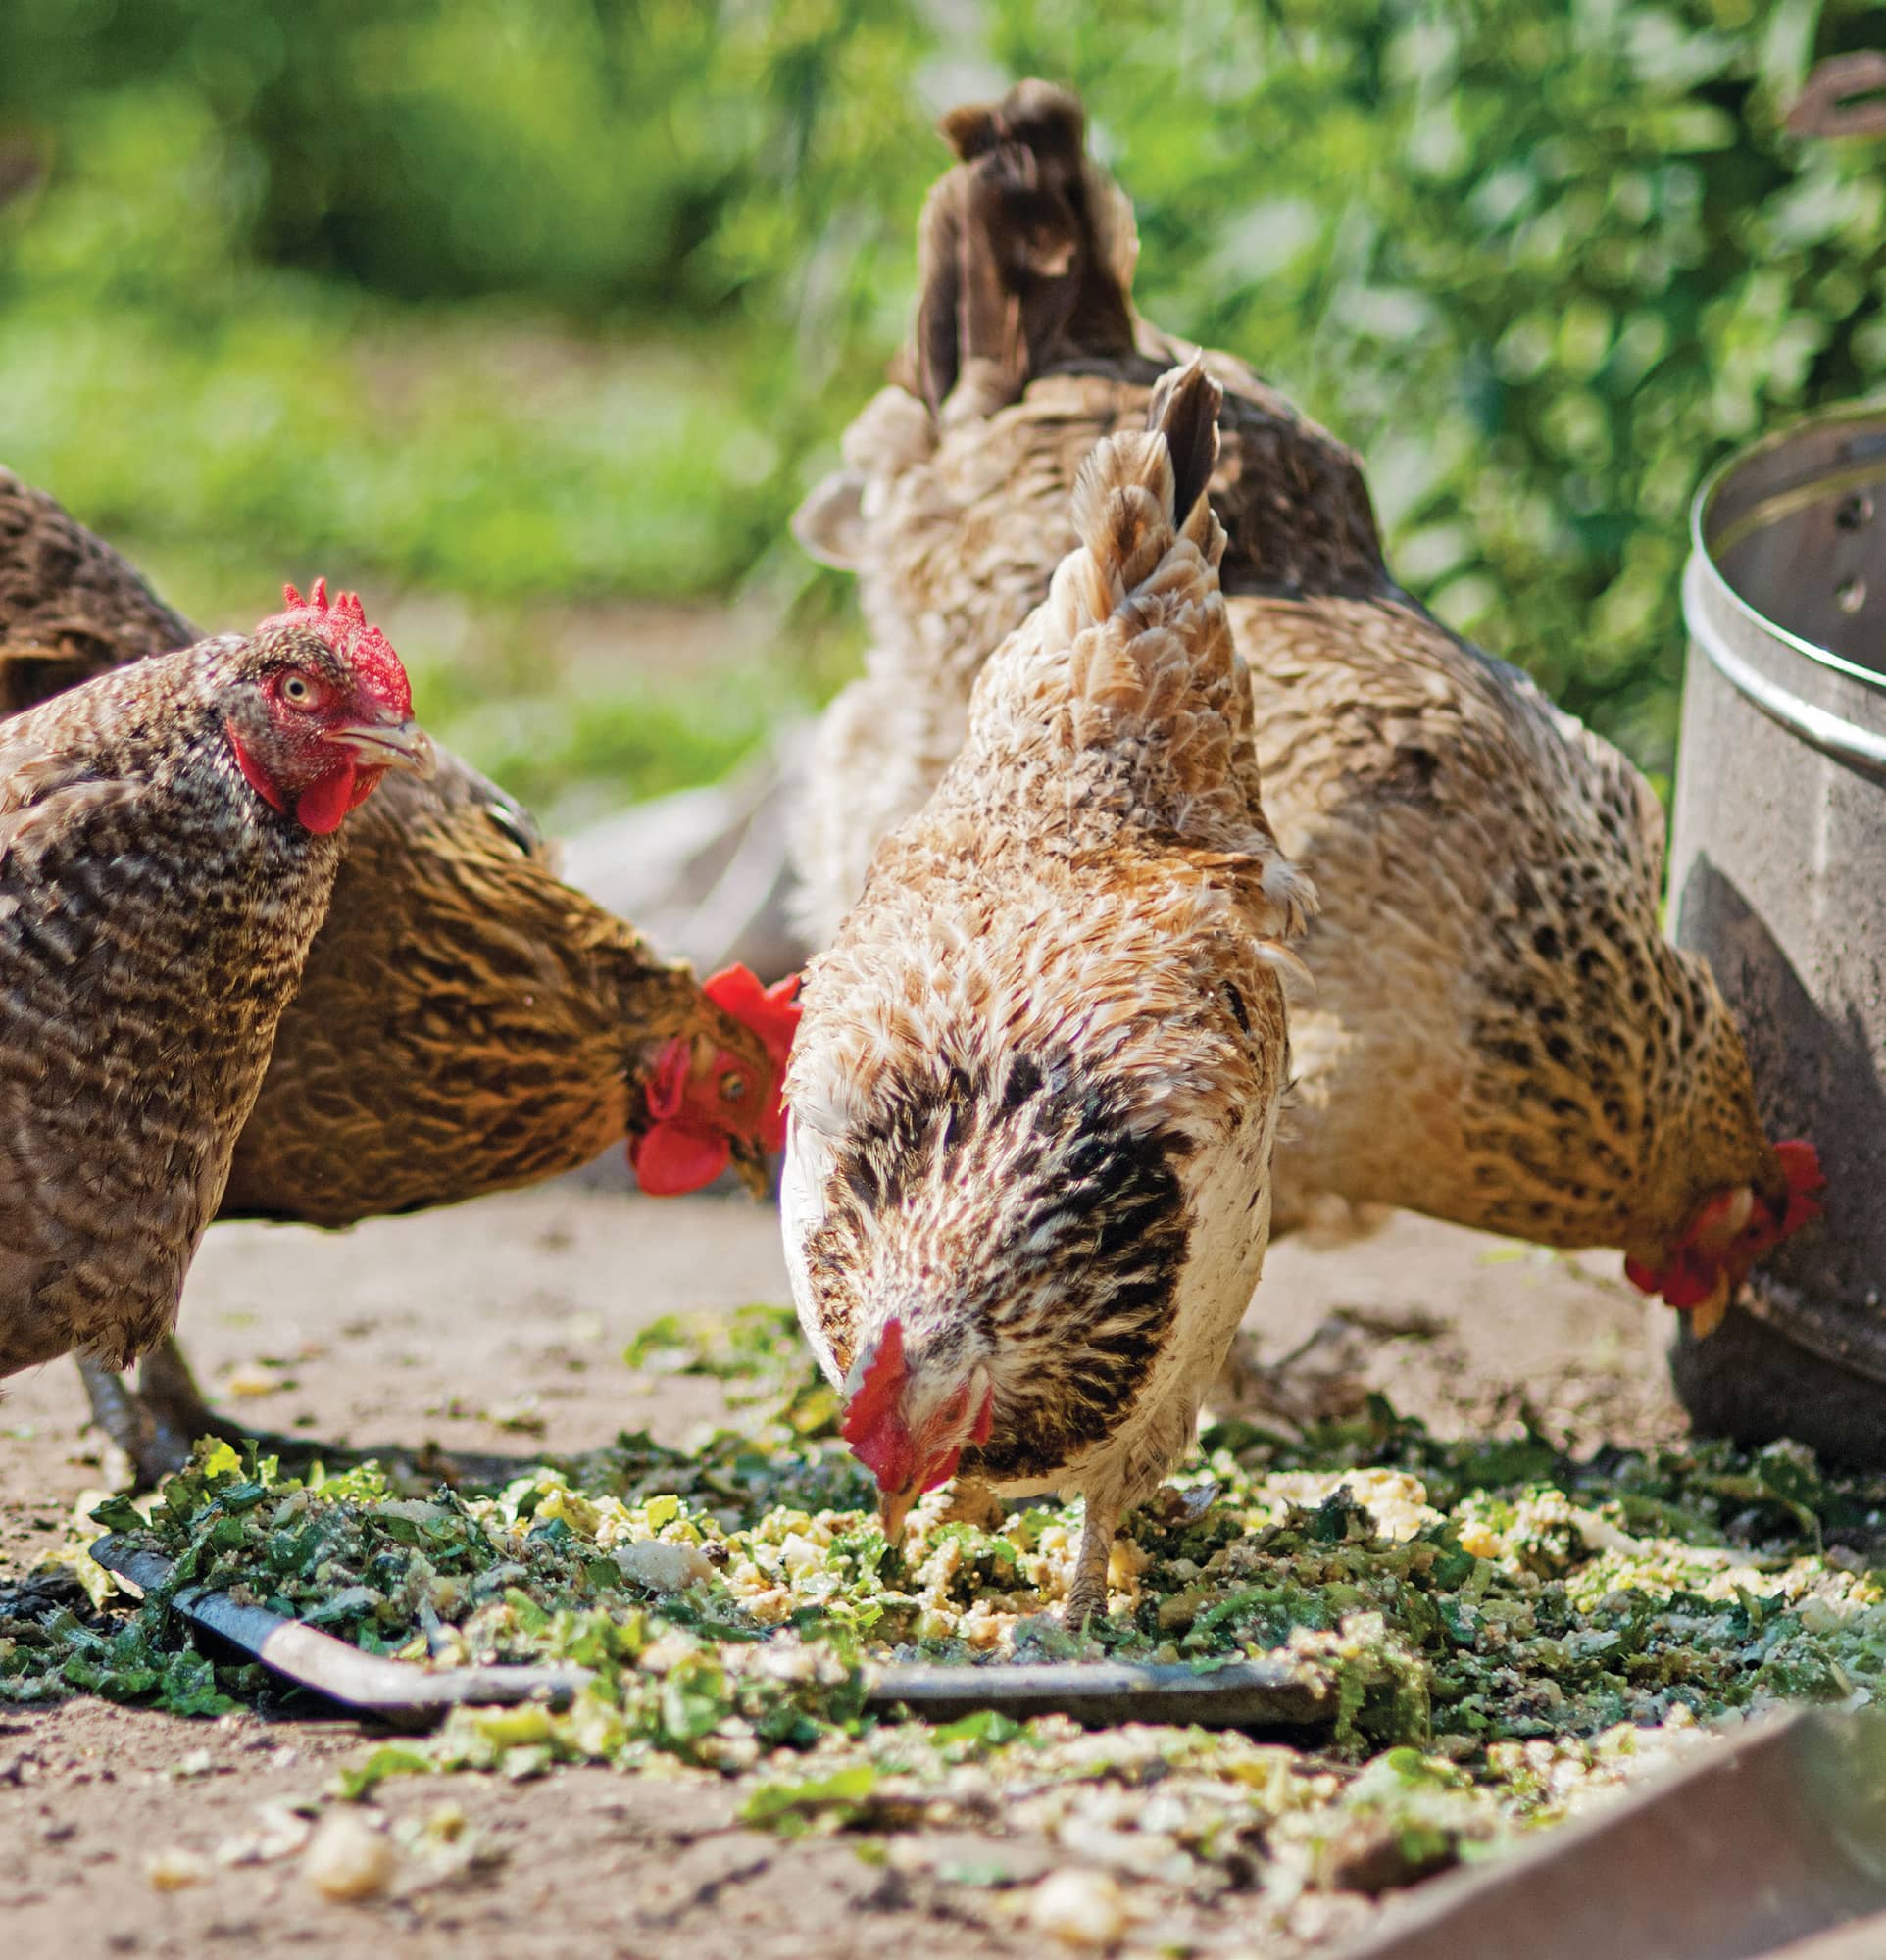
(733, 1086)
(297, 691)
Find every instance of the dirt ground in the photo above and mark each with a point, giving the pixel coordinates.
(500, 1326)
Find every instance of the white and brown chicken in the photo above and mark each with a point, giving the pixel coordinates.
(1036, 1083)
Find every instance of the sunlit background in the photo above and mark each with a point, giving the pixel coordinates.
(535, 317)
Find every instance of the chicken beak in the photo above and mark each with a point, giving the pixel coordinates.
(1710, 1314)
(388, 745)
(1721, 1233)
(893, 1508)
(752, 1167)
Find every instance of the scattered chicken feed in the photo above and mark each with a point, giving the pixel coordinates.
(1505, 1632)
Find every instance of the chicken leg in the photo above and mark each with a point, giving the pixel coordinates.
(157, 1422)
(1087, 1596)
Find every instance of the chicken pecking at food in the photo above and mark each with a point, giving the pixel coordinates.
(1026, 1193)
(1500, 1035)
(517, 1029)
(169, 840)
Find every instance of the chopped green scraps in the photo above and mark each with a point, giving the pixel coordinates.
(1504, 1630)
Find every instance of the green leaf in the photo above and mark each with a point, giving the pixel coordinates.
(782, 1805)
(118, 1514)
(355, 1781)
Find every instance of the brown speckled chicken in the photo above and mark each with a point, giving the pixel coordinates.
(1033, 1102)
(169, 840)
(1500, 1034)
(516, 1029)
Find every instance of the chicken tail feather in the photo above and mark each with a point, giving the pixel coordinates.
(1026, 253)
(1134, 492)
(1185, 410)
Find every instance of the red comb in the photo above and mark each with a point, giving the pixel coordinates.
(342, 622)
(873, 1425)
(772, 1012)
(883, 1383)
(1803, 1169)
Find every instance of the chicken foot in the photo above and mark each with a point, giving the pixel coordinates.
(153, 1422)
(157, 1422)
(1087, 1596)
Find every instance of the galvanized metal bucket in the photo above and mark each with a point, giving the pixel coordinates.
(1778, 875)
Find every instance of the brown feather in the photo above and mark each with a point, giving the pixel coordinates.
(1035, 1088)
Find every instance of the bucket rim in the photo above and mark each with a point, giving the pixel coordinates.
(1868, 410)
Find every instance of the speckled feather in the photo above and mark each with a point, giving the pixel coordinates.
(467, 1022)
(154, 916)
(1500, 1034)
(1035, 1085)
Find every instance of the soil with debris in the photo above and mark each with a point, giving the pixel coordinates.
(502, 1327)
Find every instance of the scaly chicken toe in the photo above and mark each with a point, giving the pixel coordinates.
(178, 1414)
(158, 1423)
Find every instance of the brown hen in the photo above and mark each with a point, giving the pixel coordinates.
(169, 840)
(1500, 1034)
(516, 1029)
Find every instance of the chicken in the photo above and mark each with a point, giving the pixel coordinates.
(169, 840)
(517, 1029)
(1031, 1106)
(1500, 1035)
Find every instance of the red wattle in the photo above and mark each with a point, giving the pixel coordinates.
(675, 1158)
(254, 775)
(365, 782)
(1688, 1283)
(323, 803)
(1642, 1277)
(886, 1451)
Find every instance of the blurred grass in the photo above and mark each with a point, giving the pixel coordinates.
(535, 317)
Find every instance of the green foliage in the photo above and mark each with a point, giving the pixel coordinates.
(1540, 263)
(546, 297)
